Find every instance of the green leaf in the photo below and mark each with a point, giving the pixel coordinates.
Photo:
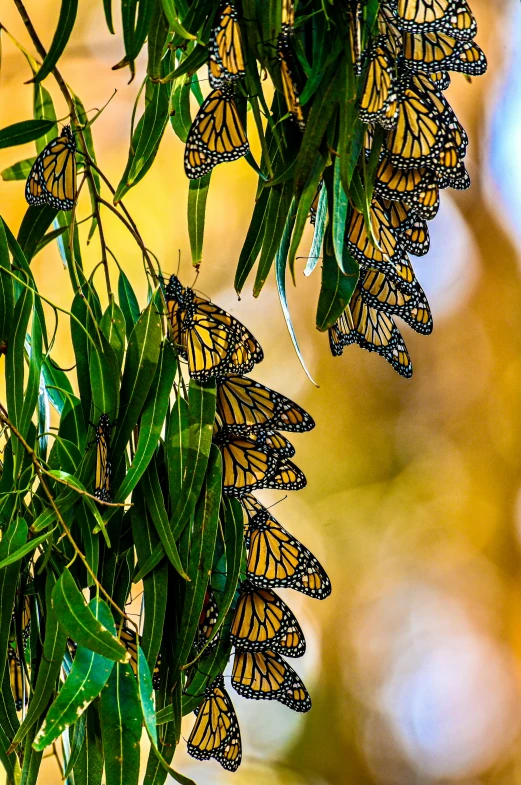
(280, 269)
(176, 442)
(68, 11)
(50, 665)
(43, 109)
(157, 35)
(152, 419)
(88, 676)
(6, 290)
(34, 349)
(107, 9)
(197, 195)
(21, 552)
(91, 542)
(173, 20)
(128, 302)
(336, 290)
(104, 377)
(233, 520)
(317, 122)
(120, 717)
(82, 625)
(144, 681)
(339, 217)
(18, 171)
(253, 241)
(88, 769)
(50, 237)
(14, 368)
(307, 196)
(180, 117)
(78, 737)
(26, 131)
(90, 503)
(201, 412)
(112, 326)
(275, 220)
(315, 252)
(140, 366)
(135, 30)
(203, 537)
(146, 137)
(13, 539)
(158, 514)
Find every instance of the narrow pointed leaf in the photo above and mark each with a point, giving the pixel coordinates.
(120, 727)
(13, 539)
(197, 195)
(18, 171)
(68, 11)
(26, 131)
(335, 293)
(88, 676)
(80, 623)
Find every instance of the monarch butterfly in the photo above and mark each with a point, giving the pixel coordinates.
(383, 251)
(263, 621)
(452, 16)
(388, 27)
(16, 678)
(272, 441)
(378, 292)
(411, 228)
(216, 134)
(287, 17)
(248, 466)
(52, 179)
(379, 102)
(213, 342)
(226, 62)
(216, 732)
(128, 639)
(251, 507)
(372, 330)
(244, 405)
(264, 675)
(277, 559)
(438, 51)
(355, 35)
(207, 621)
(416, 187)
(103, 466)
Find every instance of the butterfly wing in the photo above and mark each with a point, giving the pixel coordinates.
(277, 559)
(226, 62)
(263, 621)
(244, 405)
(52, 179)
(216, 732)
(103, 465)
(216, 134)
(266, 676)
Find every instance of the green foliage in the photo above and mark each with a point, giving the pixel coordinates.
(71, 553)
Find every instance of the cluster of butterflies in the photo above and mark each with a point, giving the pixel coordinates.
(423, 149)
(217, 133)
(249, 421)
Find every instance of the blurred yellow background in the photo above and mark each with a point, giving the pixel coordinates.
(412, 501)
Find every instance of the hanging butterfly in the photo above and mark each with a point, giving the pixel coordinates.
(379, 293)
(103, 431)
(244, 405)
(128, 639)
(451, 16)
(248, 466)
(263, 621)
(213, 341)
(52, 179)
(383, 250)
(355, 13)
(21, 619)
(277, 559)
(379, 101)
(216, 731)
(226, 61)
(251, 507)
(438, 51)
(16, 679)
(418, 188)
(264, 675)
(372, 330)
(207, 622)
(216, 135)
